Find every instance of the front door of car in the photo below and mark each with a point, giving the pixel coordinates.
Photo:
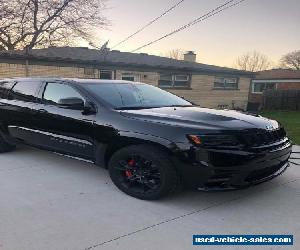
(66, 130)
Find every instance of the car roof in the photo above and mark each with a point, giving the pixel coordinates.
(77, 80)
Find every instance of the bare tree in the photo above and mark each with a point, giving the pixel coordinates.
(40, 23)
(174, 54)
(253, 61)
(291, 60)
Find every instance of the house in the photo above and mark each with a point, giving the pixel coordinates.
(283, 79)
(207, 85)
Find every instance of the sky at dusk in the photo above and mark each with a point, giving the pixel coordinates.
(268, 26)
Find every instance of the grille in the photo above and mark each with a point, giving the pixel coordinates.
(262, 137)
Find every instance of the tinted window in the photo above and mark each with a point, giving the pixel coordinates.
(25, 91)
(4, 88)
(56, 91)
(128, 95)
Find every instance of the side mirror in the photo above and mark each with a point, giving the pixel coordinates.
(72, 103)
(89, 108)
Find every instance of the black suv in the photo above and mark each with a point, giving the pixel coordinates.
(150, 140)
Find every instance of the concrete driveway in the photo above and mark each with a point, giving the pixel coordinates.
(51, 202)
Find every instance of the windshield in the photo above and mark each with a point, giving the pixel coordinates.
(135, 96)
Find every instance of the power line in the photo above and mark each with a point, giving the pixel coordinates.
(150, 23)
(195, 21)
(211, 13)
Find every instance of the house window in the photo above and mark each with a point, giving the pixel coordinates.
(226, 83)
(106, 74)
(259, 87)
(181, 81)
(166, 80)
(129, 77)
(174, 81)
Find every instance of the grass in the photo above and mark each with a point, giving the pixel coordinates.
(290, 121)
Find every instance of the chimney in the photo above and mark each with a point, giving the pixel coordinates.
(190, 56)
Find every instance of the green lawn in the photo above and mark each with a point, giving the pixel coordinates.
(290, 121)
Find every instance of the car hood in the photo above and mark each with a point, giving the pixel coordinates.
(201, 118)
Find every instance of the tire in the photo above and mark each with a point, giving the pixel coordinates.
(5, 147)
(144, 172)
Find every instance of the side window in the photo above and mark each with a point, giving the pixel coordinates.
(56, 91)
(25, 91)
(5, 87)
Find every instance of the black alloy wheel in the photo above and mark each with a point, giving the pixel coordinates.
(143, 172)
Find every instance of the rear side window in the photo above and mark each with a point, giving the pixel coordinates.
(5, 87)
(25, 91)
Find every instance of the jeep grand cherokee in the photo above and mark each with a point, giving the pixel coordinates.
(150, 140)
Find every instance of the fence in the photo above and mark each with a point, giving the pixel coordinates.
(281, 100)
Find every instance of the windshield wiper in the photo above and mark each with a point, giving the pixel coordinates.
(150, 107)
(135, 107)
(179, 105)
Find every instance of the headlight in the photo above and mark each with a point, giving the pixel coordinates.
(195, 139)
(217, 140)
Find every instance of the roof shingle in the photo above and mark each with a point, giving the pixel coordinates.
(81, 54)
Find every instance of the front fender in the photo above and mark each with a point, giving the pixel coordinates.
(126, 138)
(150, 138)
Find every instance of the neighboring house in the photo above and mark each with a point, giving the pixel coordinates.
(272, 79)
(207, 85)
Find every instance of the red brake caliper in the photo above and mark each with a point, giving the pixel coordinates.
(131, 163)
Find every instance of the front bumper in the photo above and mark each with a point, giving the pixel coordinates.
(226, 184)
(213, 170)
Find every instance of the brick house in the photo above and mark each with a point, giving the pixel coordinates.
(207, 85)
(283, 79)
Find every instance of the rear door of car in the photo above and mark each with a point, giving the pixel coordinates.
(18, 110)
(5, 87)
(61, 129)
